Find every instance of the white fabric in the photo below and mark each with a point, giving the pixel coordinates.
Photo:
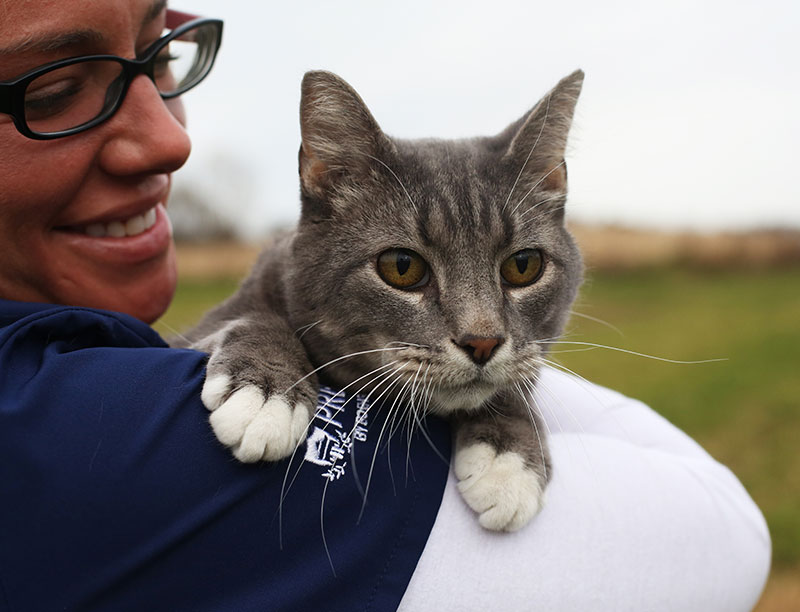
(637, 517)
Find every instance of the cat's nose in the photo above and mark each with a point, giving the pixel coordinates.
(480, 348)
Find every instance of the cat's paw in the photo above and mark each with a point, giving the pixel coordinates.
(498, 486)
(256, 427)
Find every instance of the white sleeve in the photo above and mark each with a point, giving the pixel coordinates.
(638, 517)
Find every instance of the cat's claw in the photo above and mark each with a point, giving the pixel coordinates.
(255, 427)
(498, 486)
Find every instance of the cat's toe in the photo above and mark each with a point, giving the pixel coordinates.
(258, 428)
(214, 391)
(499, 487)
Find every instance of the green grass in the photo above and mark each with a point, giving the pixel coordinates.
(192, 299)
(744, 411)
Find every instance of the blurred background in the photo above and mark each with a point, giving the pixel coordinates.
(684, 193)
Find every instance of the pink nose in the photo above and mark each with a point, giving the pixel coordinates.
(480, 349)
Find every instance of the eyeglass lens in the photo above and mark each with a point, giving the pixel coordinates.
(73, 95)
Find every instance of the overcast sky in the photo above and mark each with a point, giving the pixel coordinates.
(688, 117)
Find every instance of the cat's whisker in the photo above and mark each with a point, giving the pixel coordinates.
(407, 344)
(580, 350)
(588, 387)
(421, 422)
(325, 489)
(397, 178)
(532, 221)
(394, 375)
(390, 412)
(530, 386)
(322, 526)
(414, 416)
(173, 331)
(407, 408)
(538, 388)
(338, 359)
(286, 487)
(306, 328)
(537, 183)
(553, 198)
(635, 353)
(535, 429)
(530, 153)
(596, 320)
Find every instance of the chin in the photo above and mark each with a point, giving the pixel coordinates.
(144, 294)
(466, 398)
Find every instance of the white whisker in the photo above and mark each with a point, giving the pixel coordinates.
(621, 350)
(536, 184)
(305, 329)
(342, 358)
(397, 178)
(596, 320)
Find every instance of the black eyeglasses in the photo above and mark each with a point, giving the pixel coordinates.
(72, 95)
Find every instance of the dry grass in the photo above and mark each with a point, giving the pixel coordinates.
(782, 593)
(603, 248)
(617, 247)
(214, 260)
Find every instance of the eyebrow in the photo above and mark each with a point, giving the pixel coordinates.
(50, 43)
(155, 10)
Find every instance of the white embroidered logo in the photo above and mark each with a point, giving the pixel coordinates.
(329, 443)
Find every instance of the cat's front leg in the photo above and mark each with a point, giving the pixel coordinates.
(502, 463)
(257, 387)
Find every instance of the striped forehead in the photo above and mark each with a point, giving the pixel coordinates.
(457, 195)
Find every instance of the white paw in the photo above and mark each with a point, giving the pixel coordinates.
(256, 428)
(505, 493)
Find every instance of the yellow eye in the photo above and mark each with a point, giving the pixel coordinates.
(402, 268)
(523, 267)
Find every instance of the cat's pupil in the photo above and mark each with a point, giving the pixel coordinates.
(403, 263)
(522, 262)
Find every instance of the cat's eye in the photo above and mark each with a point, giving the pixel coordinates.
(523, 267)
(403, 268)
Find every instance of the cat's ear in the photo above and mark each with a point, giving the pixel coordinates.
(340, 136)
(539, 139)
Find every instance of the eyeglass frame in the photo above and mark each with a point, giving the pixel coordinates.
(12, 93)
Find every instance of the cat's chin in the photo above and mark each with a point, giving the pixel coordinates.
(458, 399)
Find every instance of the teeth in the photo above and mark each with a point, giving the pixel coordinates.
(127, 227)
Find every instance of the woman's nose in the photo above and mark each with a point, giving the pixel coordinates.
(146, 135)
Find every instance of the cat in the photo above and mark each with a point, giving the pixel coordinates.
(448, 257)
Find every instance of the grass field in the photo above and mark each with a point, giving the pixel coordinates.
(745, 410)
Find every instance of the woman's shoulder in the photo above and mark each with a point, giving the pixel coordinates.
(42, 324)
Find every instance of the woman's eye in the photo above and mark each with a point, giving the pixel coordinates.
(162, 61)
(52, 99)
(403, 269)
(523, 268)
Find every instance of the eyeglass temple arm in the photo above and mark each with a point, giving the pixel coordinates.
(177, 18)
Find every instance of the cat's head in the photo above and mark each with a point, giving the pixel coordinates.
(442, 265)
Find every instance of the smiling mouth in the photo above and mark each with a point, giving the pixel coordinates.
(122, 228)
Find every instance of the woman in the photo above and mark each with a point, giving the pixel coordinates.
(117, 497)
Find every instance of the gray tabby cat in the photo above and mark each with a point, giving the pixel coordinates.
(442, 265)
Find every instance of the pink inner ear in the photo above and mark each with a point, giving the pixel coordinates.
(313, 173)
(176, 18)
(555, 178)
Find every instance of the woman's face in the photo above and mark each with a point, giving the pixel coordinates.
(56, 196)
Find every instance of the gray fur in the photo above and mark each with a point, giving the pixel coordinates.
(464, 206)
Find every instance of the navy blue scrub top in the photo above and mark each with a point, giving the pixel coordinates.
(115, 494)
